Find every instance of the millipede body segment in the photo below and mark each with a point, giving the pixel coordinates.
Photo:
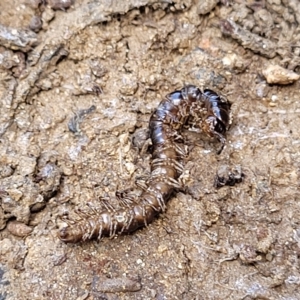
(206, 110)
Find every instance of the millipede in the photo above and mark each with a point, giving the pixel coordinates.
(189, 106)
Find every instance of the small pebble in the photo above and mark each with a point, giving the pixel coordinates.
(59, 4)
(35, 24)
(275, 74)
(204, 7)
(18, 228)
(274, 98)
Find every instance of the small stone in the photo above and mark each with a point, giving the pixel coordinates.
(5, 246)
(230, 60)
(162, 248)
(35, 24)
(47, 16)
(262, 89)
(274, 98)
(204, 7)
(130, 167)
(18, 228)
(129, 85)
(59, 4)
(265, 240)
(275, 74)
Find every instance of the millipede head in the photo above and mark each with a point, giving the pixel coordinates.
(215, 128)
(191, 92)
(70, 235)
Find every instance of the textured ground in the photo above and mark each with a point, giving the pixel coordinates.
(57, 154)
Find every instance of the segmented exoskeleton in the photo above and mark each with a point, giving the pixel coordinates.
(208, 111)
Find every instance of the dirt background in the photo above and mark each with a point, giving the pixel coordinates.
(58, 59)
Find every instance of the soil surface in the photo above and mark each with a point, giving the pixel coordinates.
(79, 81)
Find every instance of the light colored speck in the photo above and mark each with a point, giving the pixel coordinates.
(274, 98)
(272, 104)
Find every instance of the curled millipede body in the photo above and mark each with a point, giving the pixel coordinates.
(206, 110)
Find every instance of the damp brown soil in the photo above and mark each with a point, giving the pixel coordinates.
(79, 81)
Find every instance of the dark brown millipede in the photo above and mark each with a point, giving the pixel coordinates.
(189, 105)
